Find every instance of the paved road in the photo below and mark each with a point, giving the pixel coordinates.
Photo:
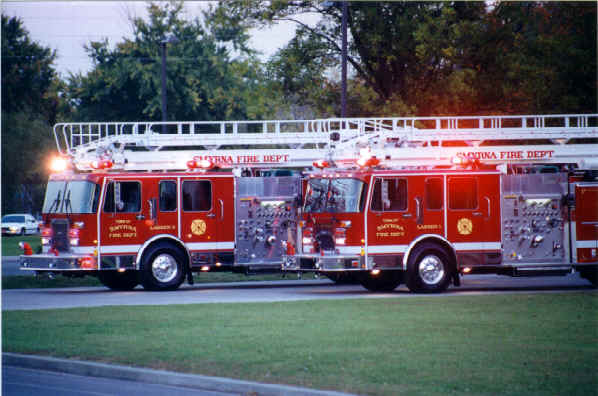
(272, 291)
(23, 382)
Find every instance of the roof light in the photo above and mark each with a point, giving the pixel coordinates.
(101, 164)
(321, 164)
(59, 164)
(368, 162)
(197, 163)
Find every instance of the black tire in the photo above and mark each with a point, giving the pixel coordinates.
(385, 281)
(343, 278)
(162, 267)
(429, 269)
(23, 232)
(120, 281)
(591, 274)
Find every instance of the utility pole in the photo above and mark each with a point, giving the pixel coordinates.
(344, 61)
(169, 39)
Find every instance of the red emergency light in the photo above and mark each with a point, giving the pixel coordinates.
(368, 162)
(101, 164)
(321, 164)
(197, 163)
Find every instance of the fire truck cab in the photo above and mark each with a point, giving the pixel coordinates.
(158, 228)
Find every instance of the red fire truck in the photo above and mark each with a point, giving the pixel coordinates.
(414, 200)
(438, 198)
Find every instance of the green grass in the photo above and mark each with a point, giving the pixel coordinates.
(544, 344)
(10, 244)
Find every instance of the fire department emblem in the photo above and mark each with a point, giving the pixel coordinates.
(198, 227)
(464, 226)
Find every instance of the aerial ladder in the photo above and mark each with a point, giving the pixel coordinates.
(397, 142)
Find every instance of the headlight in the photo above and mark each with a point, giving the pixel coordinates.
(13, 228)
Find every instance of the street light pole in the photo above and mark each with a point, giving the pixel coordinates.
(163, 77)
(344, 62)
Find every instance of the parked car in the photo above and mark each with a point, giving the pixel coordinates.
(19, 224)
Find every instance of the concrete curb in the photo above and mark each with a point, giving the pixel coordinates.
(161, 377)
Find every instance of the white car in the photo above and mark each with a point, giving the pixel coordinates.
(19, 224)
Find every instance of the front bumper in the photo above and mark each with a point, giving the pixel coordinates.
(52, 263)
(323, 263)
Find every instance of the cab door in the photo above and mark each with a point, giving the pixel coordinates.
(473, 212)
(207, 218)
(392, 215)
(124, 217)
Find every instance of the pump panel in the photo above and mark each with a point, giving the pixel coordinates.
(266, 216)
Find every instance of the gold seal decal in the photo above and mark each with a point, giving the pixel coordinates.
(464, 226)
(198, 227)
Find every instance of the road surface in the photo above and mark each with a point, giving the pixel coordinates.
(22, 382)
(273, 291)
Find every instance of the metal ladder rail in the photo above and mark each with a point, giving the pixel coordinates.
(68, 136)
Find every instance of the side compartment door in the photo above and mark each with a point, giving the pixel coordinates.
(586, 222)
(207, 219)
(473, 213)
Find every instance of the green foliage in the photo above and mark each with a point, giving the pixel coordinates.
(436, 58)
(204, 80)
(27, 72)
(30, 103)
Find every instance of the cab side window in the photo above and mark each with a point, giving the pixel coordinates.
(197, 196)
(389, 195)
(168, 201)
(123, 197)
(463, 193)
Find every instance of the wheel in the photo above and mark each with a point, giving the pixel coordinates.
(23, 232)
(119, 280)
(429, 269)
(162, 267)
(343, 278)
(385, 281)
(590, 274)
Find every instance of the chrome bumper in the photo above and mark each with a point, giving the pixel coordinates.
(51, 263)
(323, 263)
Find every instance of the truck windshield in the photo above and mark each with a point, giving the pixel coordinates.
(75, 196)
(334, 196)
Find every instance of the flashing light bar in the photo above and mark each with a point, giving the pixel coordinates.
(197, 163)
(101, 164)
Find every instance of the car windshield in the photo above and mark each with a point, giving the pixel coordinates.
(76, 196)
(13, 219)
(342, 195)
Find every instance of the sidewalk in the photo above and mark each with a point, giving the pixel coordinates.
(162, 377)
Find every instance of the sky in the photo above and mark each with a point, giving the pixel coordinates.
(68, 25)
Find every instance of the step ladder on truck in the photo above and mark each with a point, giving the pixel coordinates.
(382, 201)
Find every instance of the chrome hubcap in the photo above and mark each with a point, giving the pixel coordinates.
(431, 270)
(164, 268)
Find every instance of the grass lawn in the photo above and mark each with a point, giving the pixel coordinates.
(10, 244)
(545, 344)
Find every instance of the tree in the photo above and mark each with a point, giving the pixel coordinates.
(436, 58)
(204, 82)
(30, 104)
